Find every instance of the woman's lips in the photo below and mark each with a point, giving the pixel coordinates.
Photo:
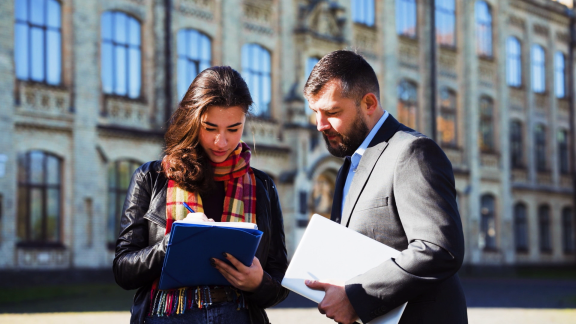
(218, 153)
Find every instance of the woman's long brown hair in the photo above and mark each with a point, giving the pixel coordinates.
(185, 161)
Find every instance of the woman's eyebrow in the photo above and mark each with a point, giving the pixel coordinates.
(214, 125)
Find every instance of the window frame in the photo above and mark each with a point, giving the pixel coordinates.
(114, 44)
(199, 63)
(560, 75)
(487, 123)
(118, 192)
(484, 30)
(538, 66)
(568, 241)
(514, 63)
(488, 222)
(248, 72)
(544, 227)
(411, 104)
(367, 17)
(28, 186)
(540, 147)
(409, 10)
(442, 12)
(516, 145)
(45, 29)
(521, 239)
(563, 152)
(452, 111)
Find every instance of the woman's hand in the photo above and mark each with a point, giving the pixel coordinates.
(197, 217)
(243, 277)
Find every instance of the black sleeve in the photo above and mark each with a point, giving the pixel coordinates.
(137, 263)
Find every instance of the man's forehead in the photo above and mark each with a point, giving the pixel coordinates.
(331, 91)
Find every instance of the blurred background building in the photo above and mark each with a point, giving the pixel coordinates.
(87, 88)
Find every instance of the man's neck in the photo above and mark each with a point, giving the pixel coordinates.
(374, 118)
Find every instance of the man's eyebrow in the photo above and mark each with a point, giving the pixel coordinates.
(214, 125)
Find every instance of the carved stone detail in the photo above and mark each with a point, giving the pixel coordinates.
(563, 108)
(43, 259)
(408, 51)
(258, 11)
(519, 176)
(199, 8)
(41, 98)
(541, 30)
(323, 18)
(565, 181)
(517, 99)
(124, 112)
(490, 161)
(262, 131)
(541, 102)
(517, 21)
(563, 37)
(447, 60)
(487, 70)
(544, 179)
(365, 38)
(455, 156)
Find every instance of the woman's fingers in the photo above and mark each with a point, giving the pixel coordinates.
(196, 217)
(242, 277)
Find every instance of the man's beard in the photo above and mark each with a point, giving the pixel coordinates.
(349, 143)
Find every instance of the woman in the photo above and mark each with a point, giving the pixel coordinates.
(207, 166)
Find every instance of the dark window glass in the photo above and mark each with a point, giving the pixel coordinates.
(516, 145)
(363, 12)
(486, 124)
(540, 147)
(256, 71)
(567, 230)
(559, 75)
(39, 198)
(407, 103)
(38, 41)
(194, 55)
(121, 54)
(406, 18)
(563, 163)
(483, 29)
(544, 228)
(488, 223)
(520, 228)
(310, 63)
(119, 176)
(514, 62)
(447, 130)
(538, 69)
(446, 22)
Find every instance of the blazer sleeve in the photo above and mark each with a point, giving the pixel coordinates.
(425, 199)
(137, 263)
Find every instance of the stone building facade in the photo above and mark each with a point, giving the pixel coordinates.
(74, 128)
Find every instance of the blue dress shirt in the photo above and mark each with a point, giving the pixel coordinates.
(355, 159)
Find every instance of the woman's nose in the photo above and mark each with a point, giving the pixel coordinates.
(220, 140)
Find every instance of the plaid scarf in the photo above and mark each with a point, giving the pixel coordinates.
(239, 206)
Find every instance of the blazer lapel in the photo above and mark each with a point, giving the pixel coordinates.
(336, 213)
(366, 165)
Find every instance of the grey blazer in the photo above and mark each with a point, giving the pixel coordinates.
(403, 195)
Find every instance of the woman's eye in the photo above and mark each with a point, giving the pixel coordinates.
(210, 129)
(233, 130)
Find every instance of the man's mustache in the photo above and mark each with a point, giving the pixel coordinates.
(331, 133)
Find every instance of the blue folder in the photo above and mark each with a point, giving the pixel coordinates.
(191, 246)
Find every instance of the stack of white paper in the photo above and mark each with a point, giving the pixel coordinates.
(331, 251)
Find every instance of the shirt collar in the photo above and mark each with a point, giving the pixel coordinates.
(355, 160)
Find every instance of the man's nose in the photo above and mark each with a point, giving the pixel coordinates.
(322, 123)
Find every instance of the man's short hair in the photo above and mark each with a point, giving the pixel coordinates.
(356, 76)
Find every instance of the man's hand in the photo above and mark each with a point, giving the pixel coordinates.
(335, 304)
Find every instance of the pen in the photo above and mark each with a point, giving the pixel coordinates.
(188, 207)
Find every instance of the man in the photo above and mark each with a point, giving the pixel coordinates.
(396, 186)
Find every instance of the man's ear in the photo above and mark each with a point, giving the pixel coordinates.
(371, 103)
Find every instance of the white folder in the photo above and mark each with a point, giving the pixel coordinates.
(331, 251)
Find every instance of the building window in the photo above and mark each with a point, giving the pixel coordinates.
(567, 230)
(194, 55)
(310, 63)
(363, 12)
(544, 222)
(520, 228)
(406, 18)
(483, 29)
(559, 75)
(538, 69)
(486, 124)
(514, 62)
(563, 164)
(121, 54)
(39, 198)
(447, 130)
(119, 176)
(38, 41)
(540, 147)
(516, 148)
(446, 22)
(488, 223)
(407, 103)
(256, 71)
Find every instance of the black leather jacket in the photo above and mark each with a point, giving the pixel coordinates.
(141, 247)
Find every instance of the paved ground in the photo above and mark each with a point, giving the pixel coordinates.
(490, 301)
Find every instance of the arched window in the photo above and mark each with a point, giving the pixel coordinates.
(363, 12)
(514, 62)
(488, 222)
(483, 29)
(520, 228)
(39, 198)
(540, 147)
(567, 230)
(119, 175)
(447, 130)
(38, 41)
(446, 22)
(538, 69)
(559, 75)
(407, 103)
(516, 145)
(194, 55)
(544, 228)
(563, 161)
(121, 54)
(406, 18)
(486, 124)
(256, 71)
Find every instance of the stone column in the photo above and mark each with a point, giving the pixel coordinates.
(389, 48)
